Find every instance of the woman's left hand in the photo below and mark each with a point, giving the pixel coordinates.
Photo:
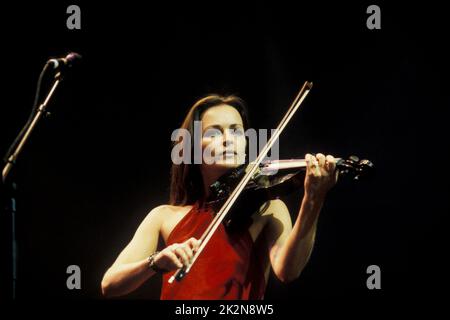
(321, 175)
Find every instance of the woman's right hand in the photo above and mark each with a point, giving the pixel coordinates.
(177, 255)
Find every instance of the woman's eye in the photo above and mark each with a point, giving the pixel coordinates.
(238, 132)
(212, 133)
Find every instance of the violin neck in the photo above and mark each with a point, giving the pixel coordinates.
(275, 165)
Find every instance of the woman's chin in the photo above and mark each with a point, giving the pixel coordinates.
(227, 164)
(224, 164)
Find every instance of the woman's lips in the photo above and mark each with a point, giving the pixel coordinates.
(229, 153)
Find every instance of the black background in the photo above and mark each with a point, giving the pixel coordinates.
(94, 169)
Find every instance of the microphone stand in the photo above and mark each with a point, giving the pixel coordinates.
(10, 188)
(41, 111)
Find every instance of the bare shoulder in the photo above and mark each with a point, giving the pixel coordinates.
(279, 219)
(164, 210)
(168, 210)
(170, 216)
(272, 216)
(275, 208)
(162, 218)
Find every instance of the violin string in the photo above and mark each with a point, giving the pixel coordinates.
(206, 236)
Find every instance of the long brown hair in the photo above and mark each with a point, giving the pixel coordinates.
(186, 183)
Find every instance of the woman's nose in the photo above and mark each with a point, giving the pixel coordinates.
(227, 139)
(227, 142)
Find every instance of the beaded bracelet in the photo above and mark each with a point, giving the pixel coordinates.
(152, 265)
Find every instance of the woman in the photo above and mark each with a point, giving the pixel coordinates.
(233, 265)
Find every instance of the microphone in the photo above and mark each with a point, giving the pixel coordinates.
(67, 61)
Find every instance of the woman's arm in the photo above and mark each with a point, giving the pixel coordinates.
(130, 270)
(290, 247)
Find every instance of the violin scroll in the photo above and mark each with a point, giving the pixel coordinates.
(355, 168)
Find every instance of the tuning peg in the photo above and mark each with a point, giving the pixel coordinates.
(366, 168)
(367, 163)
(354, 159)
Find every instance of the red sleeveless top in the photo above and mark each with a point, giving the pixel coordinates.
(228, 268)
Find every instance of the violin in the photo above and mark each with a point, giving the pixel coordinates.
(249, 186)
(272, 180)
